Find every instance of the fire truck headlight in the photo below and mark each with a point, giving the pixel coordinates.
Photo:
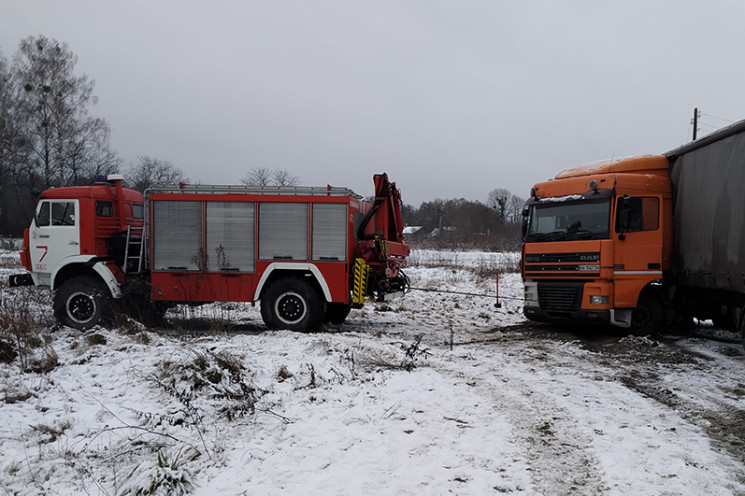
(599, 300)
(590, 267)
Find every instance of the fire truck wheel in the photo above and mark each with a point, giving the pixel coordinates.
(337, 313)
(82, 302)
(647, 317)
(292, 303)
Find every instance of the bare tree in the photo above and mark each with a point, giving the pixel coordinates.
(263, 176)
(508, 206)
(15, 200)
(515, 209)
(257, 176)
(6, 131)
(85, 158)
(283, 177)
(149, 172)
(498, 200)
(67, 146)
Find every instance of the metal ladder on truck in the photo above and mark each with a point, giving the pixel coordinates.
(134, 252)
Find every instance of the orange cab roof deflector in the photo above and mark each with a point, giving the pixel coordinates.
(650, 164)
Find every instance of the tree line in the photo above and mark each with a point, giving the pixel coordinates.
(49, 138)
(463, 224)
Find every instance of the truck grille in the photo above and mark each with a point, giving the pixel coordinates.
(560, 297)
(540, 258)
(542, 265)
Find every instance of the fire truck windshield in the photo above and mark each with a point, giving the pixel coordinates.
(572, 218)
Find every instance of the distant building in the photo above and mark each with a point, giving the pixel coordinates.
(442, 231)
(414, 231)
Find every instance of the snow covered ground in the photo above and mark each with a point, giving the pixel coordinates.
(435, 393)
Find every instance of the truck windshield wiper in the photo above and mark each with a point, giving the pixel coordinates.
(546, 236)
(584, 234)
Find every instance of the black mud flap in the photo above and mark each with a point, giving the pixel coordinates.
(16, 280)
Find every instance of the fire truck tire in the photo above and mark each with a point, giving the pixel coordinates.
(337, 313)
(292, 303)
(648, 315)
(82, 302)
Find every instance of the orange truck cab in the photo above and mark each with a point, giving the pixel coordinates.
(595, 239)
(642, 242)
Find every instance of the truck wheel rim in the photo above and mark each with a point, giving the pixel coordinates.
(290, 308)
(641, 317)
(81, 307)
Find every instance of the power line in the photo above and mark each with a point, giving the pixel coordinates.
(728, 121)
(706, 124)
(696, 122)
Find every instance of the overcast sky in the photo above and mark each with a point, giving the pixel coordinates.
(452, 99)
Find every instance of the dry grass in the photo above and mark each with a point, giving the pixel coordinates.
(24, 331)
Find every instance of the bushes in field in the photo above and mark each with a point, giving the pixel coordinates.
(22, 331)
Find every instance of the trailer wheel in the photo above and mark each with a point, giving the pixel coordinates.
(724, 318)
(337, 313)
(292, 303)
(82, 302)
(647, 317)
(741, 324)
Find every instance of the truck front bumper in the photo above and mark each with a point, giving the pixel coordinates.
(540, 315)
(570, 301)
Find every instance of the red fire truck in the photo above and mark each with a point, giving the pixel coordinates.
(307, 254)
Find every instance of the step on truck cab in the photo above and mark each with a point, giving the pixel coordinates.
(307, 254)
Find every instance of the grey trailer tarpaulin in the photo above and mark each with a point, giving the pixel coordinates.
(708, 180)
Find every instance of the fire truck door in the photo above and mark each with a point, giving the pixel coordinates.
(54, 235)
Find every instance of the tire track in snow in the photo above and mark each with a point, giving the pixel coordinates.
(558, 454)
(661, 442)
(689, 383)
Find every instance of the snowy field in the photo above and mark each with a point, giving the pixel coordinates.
(433, 394)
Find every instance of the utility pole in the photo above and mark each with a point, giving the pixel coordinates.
(695, 122)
